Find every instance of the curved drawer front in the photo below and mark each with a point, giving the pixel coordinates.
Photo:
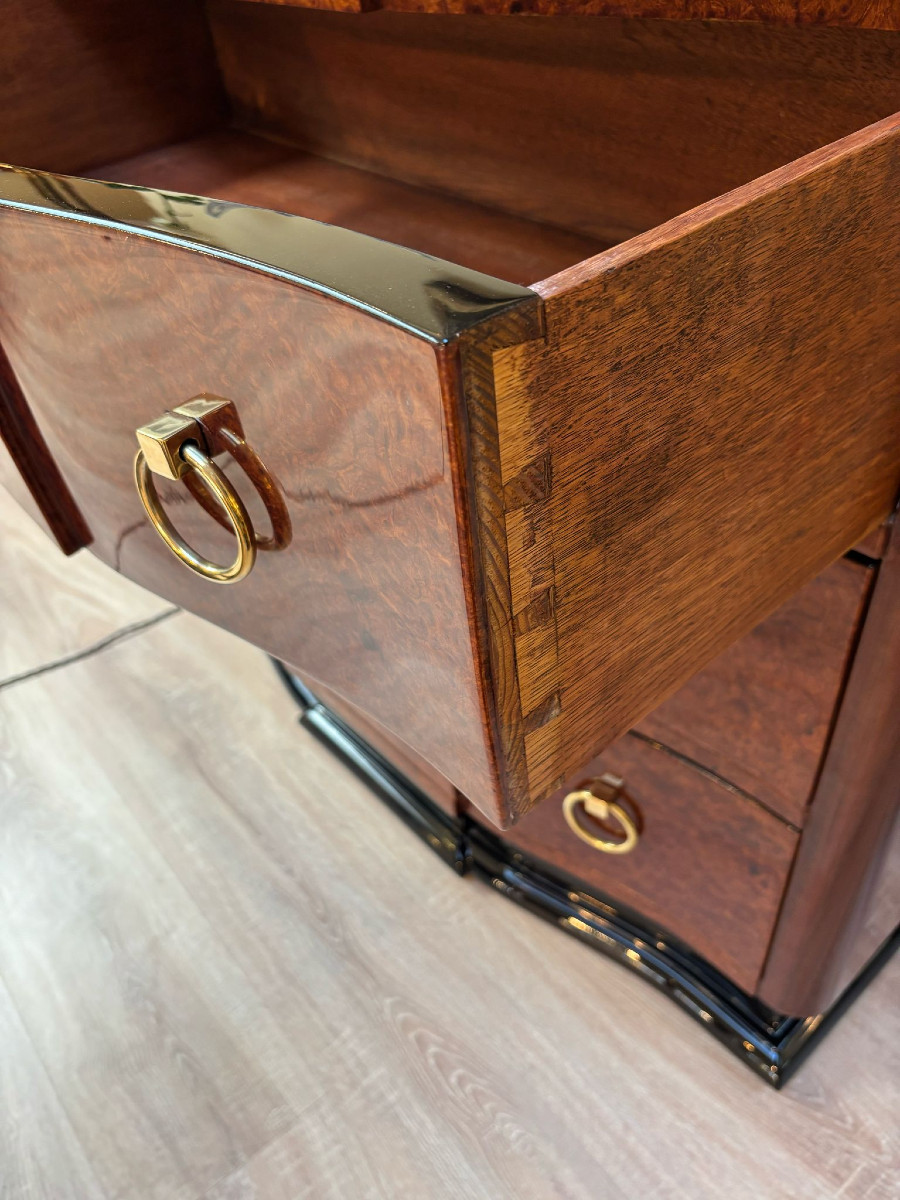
(708, 866)
(108, 328)
(521, 519)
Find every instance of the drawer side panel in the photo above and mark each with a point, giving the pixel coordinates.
(717, 412)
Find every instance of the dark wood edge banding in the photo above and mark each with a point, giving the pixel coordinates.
(425, 296)
(35, 464)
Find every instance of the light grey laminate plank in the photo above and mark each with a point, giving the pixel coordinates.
(40, 1157)
(164, 1059)
(52, 606)
(432, 1040)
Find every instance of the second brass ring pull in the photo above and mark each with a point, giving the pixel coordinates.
(601, 810)
(231, 504)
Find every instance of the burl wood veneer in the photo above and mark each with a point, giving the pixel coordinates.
(643, 397)
(619, 383)
(710, 864)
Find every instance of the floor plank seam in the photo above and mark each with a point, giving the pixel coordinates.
(120, 635)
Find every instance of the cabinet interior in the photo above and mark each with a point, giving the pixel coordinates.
(514, 145)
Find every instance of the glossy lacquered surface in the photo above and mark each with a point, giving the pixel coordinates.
(245, 169)
(710, 865)
(106, 328)
(429, 297)
(844, 893)
(771, 1043)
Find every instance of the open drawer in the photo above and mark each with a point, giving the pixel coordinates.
(513, 519)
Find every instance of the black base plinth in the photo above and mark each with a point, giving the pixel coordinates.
(772, 1044)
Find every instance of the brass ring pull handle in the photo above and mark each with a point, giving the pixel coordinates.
(179, 443)
(254, 468)
(601, 808)
(227, 497)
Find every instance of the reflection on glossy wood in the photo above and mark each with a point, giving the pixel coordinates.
(27, 468)
(437, 787)
(710, 865)
(704, 444)
(373, 571)
(242, 169)
(607, 127)
(760, 714)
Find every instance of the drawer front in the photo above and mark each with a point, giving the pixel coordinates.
(521, 518)
(760, 714)
(108, 322)
(709, 866)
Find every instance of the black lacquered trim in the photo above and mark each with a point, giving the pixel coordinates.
(425, 296)
(770, 1043)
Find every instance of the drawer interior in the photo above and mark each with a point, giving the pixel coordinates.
(243, 168)
(515, 146)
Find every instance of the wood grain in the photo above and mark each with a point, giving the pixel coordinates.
(249, 170)
(761, 713)
(107, 330)
(691, 394)
(710, 866)
(430, 1040)
(862, 13)
(844, 895)
(84, 83)
(143, 972)
(605, 127)
(31, 1109)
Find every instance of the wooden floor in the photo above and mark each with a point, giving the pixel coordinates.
(227, 972)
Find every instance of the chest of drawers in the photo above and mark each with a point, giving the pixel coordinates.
(546, 358)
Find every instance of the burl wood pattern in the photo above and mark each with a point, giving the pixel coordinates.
(105, 330)
(760, 714)
(82, 83)
(844, 894)
(249, 170)
(605, 127)
(882, 14)
(710, 865)
(694, 441)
